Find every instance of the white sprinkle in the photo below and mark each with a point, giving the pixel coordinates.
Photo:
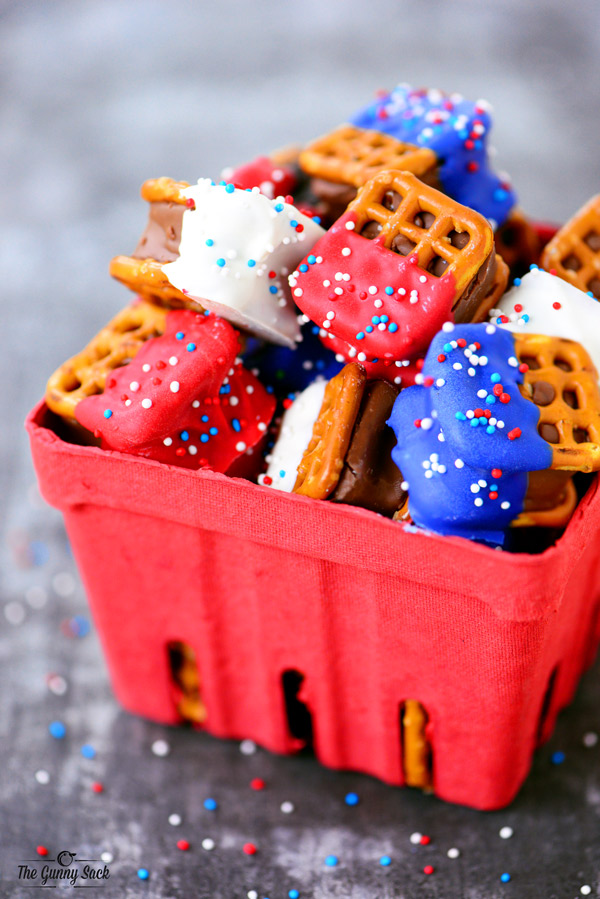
(298, 292)
(107, 857)
(483, 360)
(505, 505)
(372, 289)
(350, 226)
(590, 740)
(346, 251)
(161, 748)
(404, 486)
(490, 329)
(196, 404)
(233, 400)
(175, 819)
(36, 596)
(173, 360)
(453, 853)
(287, 807)
(319, 258)
(338, 290)
(585, 890)
(429, 474)
(471, 372)
(402, 291)
(346, 276)
(475, 488)
(134, 386)
(14, 613)
(327, 283)
(362, 357)
(208, 844)
(478, 501)
(414, 298)
(482, 483)
(57, 685)
(457, 366)
(398, 380)
(426, 463)
(440, 382)
(63, 583)
(442, 469)
(42, 776)
(500, 424)
(168, 441)
(330, 315)
(241, 446)
(470, 413)
(247, 747)
(146, 367)
(128, 402)
(338, 276)
(252, 894)
(447, 326)
(426, 423)
(146, 403)
(249, 389)
(459, 463)
(505, 833)
(513, 361)
(422, 279)
(415, 838)
(482, 394)
(378, 304)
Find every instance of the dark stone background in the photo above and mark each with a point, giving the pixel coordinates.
(94, 98)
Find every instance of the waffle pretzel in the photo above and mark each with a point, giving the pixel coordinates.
(116, 344)
(145, 275)
(321, 465)
(518, 243)
(574, 251)
(351, 155)
(563, 383)
(399, 204)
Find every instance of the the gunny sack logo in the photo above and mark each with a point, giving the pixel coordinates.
(65, 868)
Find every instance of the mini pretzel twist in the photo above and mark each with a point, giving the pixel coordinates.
(115, 345)
(450, 219)
(351, 155)
(574, 409)
(574, 251)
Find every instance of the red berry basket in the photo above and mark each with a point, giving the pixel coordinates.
(312, 621)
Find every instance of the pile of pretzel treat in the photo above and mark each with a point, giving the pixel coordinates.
(369, 320)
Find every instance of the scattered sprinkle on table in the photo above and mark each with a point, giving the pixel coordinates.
(210, 804)
(428, 869)
(257, 783)
(505, 833)
(351, 799)
(183, 845)
(175, 819)
(247, 747)
(57, 730)
(161, 748)
(97, 787)
(143, 873)
(107, 857)
(88, 751)
(249, 849)
(385, 861)
(208, 844)
(287, 807)
(331, 861)
(415, 838)
(590, 740)
(56, 684)
(558, 757)
(293, 894)
(453, 853)
(505, 877)
(41, 850)
(42, 776)
(585, 890)
(425, 840)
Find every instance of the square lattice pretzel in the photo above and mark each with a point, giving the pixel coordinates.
(574, 251)
(451, 219)
(351, 155)
(575, 409)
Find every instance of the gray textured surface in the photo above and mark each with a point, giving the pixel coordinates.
(94, 98)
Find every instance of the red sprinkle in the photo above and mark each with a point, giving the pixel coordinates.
(556, 305)
(425, 840)
(478, 413)
(461, 341)
(156, 381)
(552, 271)
(268, 480)
(505, 398)
(272, 274)
(469, 144)
(249, 848)
(494, 494)
(180, 451)
(257, 783)
(498, 389)
(472, 166)
(428, 869)
(487, 413)
(417, 422)
(299, 228)
(428, 381)
(363, 295)
(419, 364)
(160, 365)
(190, 203)
(97, 787)
(287, 402)
(477, 345)
(518, 307)
(289, 199)
(183, 845)
(496, 473)
(523, 367)
(512, 435)
(503, 319)
(441, 358)
(41, 850)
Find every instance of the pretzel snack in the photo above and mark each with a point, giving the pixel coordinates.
(574, 251)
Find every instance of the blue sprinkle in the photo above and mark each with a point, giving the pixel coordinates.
(317, 219)
(384, 318)
(191, 347)
(293, 223)
(213, 431)
(311, 259)
(461, 416)
(88, 751)
(272, 289)
(360, 335)
(369, 329)
(525, 317)
(282, 473)
(210, 804)
(516, 282)
(80, 626)
(331, 861)
(184, 435)
(235, 424)
(393, 327)
(505, 878)
(107, 413)
(57, 730)
(225, 388)
(204, 418)
(374, 361)
(143, 873)
(490, 399)
(448, 347)
(220, 262)
(500, 194)
(209, 242)
(389, 291)
(590, 293)
(533, 267)
(351, 799)
(278, 207)
(557, 758)
(474, 422)
(463, 134)
(495, 378)
(293, 894)
(493, 486)
(229, 188)
(204, 438)
(222, 183)
(385, 860)
(39, 552)
(251, 263)
(375, 319)
(303, 267)
(180, 335)
(491, 429)
(482, 420)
